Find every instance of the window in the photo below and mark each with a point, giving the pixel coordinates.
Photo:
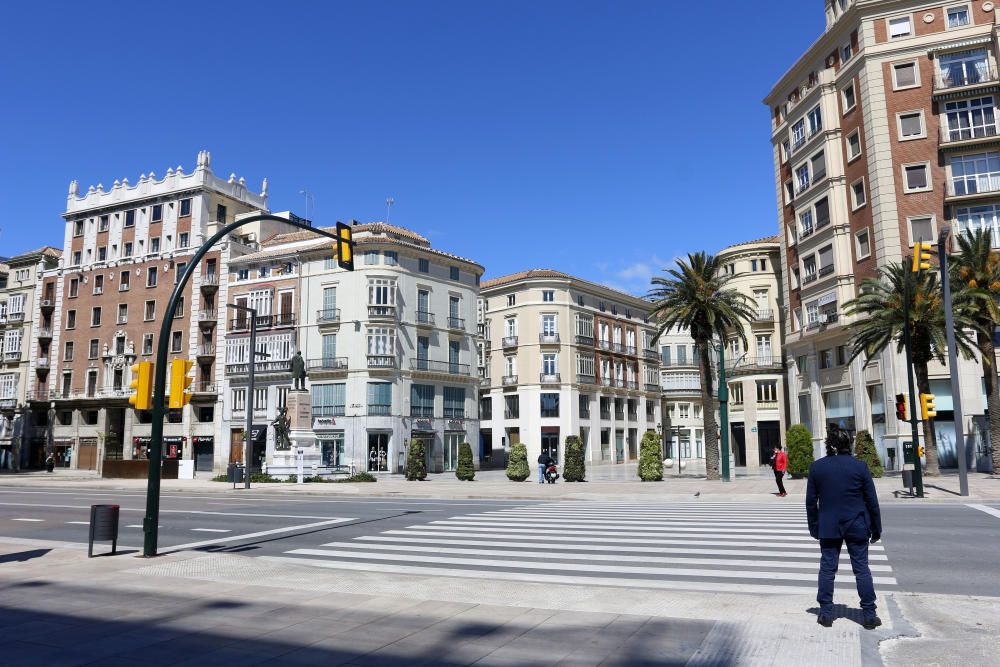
(127, 249)
(802, 178)
(176, 341)
(548, 295)
(798, 134)
(179, 271)
(70, 319)
(94, 350)
(905, 75)
(963, 68)
(979, 217)
(846, 52)
(975, 173)
(454, 402)
(921, 229)
(99, 283)
(900, 27)
(809, 268)
(767, 391)
(379, 398)
(512, 407)
(391, 258)
(220, 213)
(863, 244)
(958, 16)
(915, 177)
(842, 355)
(74, 287)
(382, 342)
(122, 313)
(736, 392)
(423, 265)
(68, 351)
(183, 240)
(95, 316)
(103, 223)
(850, 99)
(78, 228)
(77, 258)
(154, 244)
(549, 405)
(853, 145)
(511, 299)
(858, 193)
(157, 215)
(151, 277)
(683, 410)
(753, 264)
(910, 125)
(971, 119)
(422, 400)
(329, 399)
(815, 118)
(150, 311)
(826, 359)
(510, 366)
(102, 254)
(550, 364)
(453, 273)
(130, 218)
(371, 257)
(185, 207)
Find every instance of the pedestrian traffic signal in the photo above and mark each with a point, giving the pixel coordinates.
(344, 248)
(927, 408)
(921, 256)
(920, 451)
(901, 407)
(179, 382)
(142, 383)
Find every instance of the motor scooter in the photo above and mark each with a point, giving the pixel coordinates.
(551, 473)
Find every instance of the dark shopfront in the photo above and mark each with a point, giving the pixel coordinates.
(204, 453)
(173, 447)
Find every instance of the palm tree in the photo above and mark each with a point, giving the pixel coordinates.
(694, 296)
(975, 272)
(880, 311)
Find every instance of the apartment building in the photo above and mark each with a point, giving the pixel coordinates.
(125, 248)
(563, 356)
(389, 348)
(21, 306)
(883, 132)
(680, 383)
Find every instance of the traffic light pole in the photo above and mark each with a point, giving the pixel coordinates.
(918, 474)
(251, 367)
(956, 393)
(150, 522)
(723, 413)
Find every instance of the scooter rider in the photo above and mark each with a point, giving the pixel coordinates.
(544, 461)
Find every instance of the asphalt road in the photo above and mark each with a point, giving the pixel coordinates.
(931, 548)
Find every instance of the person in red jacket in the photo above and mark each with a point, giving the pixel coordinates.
(779, 461)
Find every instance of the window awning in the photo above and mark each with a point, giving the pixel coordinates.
(986, 39)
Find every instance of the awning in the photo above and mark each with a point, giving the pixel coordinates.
(830, 297)
(950, 46)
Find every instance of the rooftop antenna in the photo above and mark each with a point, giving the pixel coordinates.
(388, 207)
(310, 203)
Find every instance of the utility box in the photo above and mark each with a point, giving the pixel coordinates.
(234, 473)
(909, 456)
(103, 526)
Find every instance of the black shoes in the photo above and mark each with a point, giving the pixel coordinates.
(872, 622)
(825, 621)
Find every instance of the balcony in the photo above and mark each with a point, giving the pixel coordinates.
(382, 313)
(586, 379)
(260, 368)
(208, 317)
(760, 364)
(327, 365)
(605, 414)
(45, 333)
(604, 345)
(681, 384)
(42, 363)
(8, 403)
(456, 322)
(620, 415)
(962, 137)
(379, 410)
(210, 282)
(548, 339)
(382, 361)
(632, 384)
(509, 380)
(809, 278)
(966, 76)
(607, 382)
(15, 317)
(444, 367)
(509, 341)
(764, 315)
(263, 322)
(650, 354)
(633, 416)
(329, 411)
(588, 341)
(47, 304)
(649, 386)
(328, 316)
(205, 387)
(206, 350)
(806, 233)
(426, 318)
(679, 363)
(826, 271)
(549, 378)
(421, 412)
(12, 355)
(975, 185)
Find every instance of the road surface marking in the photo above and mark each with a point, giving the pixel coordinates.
(212, 530)
(79, 523)
(992, 511)
(164, 511)
(247, 536)
(545, 527)
(33, 520)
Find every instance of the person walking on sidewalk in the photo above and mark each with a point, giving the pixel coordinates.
(842, 506)
(544, 461)
(779, 461)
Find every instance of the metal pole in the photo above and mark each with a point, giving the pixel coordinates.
(723, 413)
(956, 393)
(918, 473)
(247, 448)
(150, 522)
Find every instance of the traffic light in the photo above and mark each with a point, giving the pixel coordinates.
(901, 407)
(142, 383)
(920, 451)
(927, 408)
(921, 256)
(344, 248)
(179, 382)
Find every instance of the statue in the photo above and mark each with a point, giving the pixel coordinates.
(281, 425)
(298, 372)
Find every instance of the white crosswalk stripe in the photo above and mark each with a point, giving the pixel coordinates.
(695, 546)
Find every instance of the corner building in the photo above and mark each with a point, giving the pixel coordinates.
(883, 132)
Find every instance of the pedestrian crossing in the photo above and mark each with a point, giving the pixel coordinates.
(683, 546)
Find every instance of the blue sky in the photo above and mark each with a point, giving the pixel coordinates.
(614, 136)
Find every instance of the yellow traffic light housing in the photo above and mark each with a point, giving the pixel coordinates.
(921, 256)
(344, 248)
(179, 382)
(920, 451)
(927, 408)
(142, 383)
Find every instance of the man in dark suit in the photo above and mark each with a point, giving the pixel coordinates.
(841, 506)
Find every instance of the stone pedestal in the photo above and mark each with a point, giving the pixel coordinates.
(299, 406)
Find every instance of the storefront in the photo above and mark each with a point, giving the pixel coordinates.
(423, 434)
(173, 447)
(378, 451)
(204, 453)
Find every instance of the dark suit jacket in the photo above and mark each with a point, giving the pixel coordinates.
(840, 491)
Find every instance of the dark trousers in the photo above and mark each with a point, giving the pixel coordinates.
(830, 559)
(778, 476)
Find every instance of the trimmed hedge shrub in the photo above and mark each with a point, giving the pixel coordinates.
(799, 446)
(517, 465)
(864, 449)
(575, 469)
(466, 470)
(650, 458)
(416, 467)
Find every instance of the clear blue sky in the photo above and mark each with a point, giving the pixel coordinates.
(614, 135)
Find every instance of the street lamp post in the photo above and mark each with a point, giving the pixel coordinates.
(956, 393)
(723, 413)
(251, 366)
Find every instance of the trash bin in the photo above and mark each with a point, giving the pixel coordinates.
(907, 479)
(103, 526)
(235, 473)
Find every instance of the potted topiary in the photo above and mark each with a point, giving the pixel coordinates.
(798, 442)
(466, 470)
(575, 469)
(864, 449)
(416, 467)
(650, 458)
(517, 464)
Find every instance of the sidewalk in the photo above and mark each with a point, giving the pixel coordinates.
(610, 483)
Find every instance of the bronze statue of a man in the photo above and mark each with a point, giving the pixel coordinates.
(281, 425)
(298, 372)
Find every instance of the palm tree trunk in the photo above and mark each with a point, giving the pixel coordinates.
(988, 352)
(708, 410)
(930, 442)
